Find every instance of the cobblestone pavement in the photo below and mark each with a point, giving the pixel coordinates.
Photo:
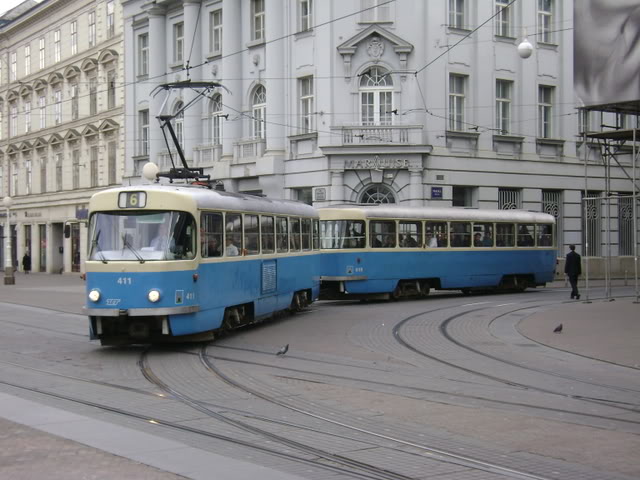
(603, 329)
(27, 453)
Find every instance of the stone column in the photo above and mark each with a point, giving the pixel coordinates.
(337, 187)
(192, 54)
(274, 62)
(157, 67)
(415, 188)
(231, 75)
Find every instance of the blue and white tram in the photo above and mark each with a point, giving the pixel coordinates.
(179, 262)
(391, 251)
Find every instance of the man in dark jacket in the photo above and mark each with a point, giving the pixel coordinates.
(573, 269)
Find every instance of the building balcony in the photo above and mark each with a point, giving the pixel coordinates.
(359, 134)
(248, 149)
(206, 155)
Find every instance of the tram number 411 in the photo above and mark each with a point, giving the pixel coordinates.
(124, 281)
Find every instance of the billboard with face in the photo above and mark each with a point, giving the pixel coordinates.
(607, 51)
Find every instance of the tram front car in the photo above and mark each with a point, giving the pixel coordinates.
(141, 269)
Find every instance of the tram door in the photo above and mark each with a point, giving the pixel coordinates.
(14, 247)
(75, 247)
(42, 234)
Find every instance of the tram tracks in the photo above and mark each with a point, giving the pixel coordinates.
(436, 453)
(371, 384)
(303, 456)
(354, 467)
(443, 328)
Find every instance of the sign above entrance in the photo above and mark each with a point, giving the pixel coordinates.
(376, 162)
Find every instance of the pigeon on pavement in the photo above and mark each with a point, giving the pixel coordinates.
(283, 350)
(558, 329)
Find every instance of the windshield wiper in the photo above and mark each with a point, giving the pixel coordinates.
(96, 245)
(125, 243)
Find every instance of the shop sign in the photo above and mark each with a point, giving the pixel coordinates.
(376, 163)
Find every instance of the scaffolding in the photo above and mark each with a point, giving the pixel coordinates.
(612, 143)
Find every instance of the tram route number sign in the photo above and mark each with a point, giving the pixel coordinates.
(132, 199)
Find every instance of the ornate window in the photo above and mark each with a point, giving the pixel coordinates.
(143, 54)
(74, 37)
(179, 124)
(215, 34)
(257, 20)
(503, 18)
(457, 13)
(215, 119)
(509, 199)
(93, 95)
(27, 60)
(178, 42)
(545, 111)
(143, 120)
(259, 111)
(457, 98)
(111, 24)
(43, 174)
(27, 116)
(504, 91)
(376, 97)
(305, 15)
(92, 29)
(545, 21)
(57, 46)
(377, 194)
(306, 105)
(375, 11)
(41, 53)
(14, 67)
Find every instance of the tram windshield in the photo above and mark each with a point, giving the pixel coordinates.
(141, 236)
(336, 234)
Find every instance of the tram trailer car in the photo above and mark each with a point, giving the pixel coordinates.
(389, 251)
(178, 263)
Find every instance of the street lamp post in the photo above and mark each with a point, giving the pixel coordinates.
(9, 279)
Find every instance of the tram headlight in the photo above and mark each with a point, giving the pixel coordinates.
(94, 295)
(153, 296)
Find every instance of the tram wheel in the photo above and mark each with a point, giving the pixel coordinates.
(299, 301)
(231, 318)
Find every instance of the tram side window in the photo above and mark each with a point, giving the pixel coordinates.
(436, 235)
(483, 234)
(316, 235)
(306, 234)
(382, 233)
(410, 234)
(282, 234)
(294, 236)
(251, 235)
(211, 234)
(183, 245)
(267, 234)
(460, 234)
(545, 235)
(233, 234)
(505, 235)
(337, 234)
(525, 235)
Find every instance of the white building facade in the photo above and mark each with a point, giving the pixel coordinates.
(405, 101)
(61, 124)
